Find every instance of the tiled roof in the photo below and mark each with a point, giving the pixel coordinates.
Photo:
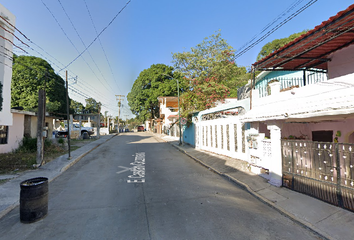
(312, 49)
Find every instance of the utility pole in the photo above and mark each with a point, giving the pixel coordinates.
(40, 124)
(119, 98)
(67, 109)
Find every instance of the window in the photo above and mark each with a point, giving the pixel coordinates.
(322, 136)
(3, 134)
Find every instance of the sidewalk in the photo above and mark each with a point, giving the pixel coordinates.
(329, 221)
(10, 191)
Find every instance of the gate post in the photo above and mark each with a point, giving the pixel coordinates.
(276, 170)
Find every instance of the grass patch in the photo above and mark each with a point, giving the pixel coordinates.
(24, 157)
(2, 181)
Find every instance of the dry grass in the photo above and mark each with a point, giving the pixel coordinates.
(24, 158)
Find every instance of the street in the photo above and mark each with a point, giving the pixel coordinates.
(138, 187)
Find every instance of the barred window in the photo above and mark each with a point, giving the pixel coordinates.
(3, 134)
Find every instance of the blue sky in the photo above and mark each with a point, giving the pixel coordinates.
(146, 33)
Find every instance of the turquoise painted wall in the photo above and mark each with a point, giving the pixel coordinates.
(189, 135)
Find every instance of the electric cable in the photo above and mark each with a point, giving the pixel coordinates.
(310, 3)
(94, 40)
(72, 45)
(83, 43)
(99, 40)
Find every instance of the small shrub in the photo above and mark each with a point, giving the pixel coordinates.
(61, 141)
(47, 143)
(28, 145)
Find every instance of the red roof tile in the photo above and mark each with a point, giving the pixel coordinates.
(312, 49)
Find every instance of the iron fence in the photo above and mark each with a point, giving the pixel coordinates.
(286, 82)
(320, 169)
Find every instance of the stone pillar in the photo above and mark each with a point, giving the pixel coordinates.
(275, 169)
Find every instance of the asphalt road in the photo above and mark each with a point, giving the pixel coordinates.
(175, 198)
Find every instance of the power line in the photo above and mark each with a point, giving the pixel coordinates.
(83, 43)
(99, 40)
(311, 2)
(94, 40)
(291, 7)
(71, 44)
(13, 34)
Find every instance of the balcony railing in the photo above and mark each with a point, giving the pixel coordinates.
(288, 83)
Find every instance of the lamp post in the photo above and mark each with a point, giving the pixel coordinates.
(179, 111)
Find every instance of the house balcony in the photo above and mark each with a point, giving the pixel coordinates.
(287, 83)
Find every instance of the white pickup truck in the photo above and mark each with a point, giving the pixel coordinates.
(76, 127)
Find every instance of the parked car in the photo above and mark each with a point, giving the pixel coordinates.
(84, 131)
(140, 128)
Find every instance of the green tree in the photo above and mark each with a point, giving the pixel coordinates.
(154, 82)
(76, 107)
(29, 74)
(276, 44)
(210, 72)
(92, 106)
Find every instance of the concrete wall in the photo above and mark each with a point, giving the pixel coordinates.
(341, 63)
(345, 127)
(15, 134)
(225, 136)
(33, 126)
(5, 66)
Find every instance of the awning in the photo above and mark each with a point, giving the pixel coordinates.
(312, 49)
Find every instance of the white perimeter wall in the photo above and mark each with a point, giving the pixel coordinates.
(224, 136)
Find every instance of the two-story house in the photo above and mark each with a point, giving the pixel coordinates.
(6, 119)
(168, 112)
(308, 131)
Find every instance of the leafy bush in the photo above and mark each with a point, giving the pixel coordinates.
(61, 141)
(30, 145)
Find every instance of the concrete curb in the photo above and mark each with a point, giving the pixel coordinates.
(62, 170)
(8, 209)
(81, 156)
(282, 211)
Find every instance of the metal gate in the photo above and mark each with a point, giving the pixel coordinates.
(322, 170)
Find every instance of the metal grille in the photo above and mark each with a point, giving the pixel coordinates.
(3, 134)
(322, 170)
(285, 82)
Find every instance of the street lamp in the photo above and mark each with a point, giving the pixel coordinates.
(179, 111)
